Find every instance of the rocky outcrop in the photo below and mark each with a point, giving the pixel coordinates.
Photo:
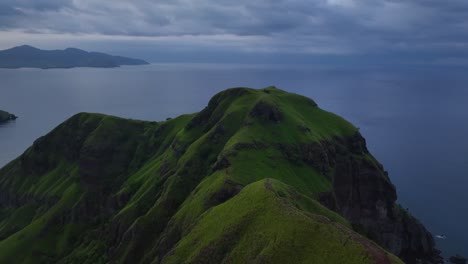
(363, 194)
(458, 260)
(266, 111)
(5, 116)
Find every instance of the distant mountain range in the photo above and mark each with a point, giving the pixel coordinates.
(31, 57)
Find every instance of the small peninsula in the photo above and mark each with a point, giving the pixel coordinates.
(5, 117)
(30, 57)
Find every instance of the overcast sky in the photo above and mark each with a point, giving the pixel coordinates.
(434, 31)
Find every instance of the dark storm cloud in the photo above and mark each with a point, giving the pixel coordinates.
(309, 26)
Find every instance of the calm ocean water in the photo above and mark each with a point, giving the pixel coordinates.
(415, 121)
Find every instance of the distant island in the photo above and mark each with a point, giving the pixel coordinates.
(5, 116)
(30, 57)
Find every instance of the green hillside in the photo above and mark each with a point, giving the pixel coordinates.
(258, 176)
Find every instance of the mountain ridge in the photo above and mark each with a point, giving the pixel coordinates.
(26, 56)
(162, 192)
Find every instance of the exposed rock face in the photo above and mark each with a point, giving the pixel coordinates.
(267, 111)
(364, 195)
(228, 190)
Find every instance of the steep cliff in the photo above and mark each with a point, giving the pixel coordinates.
(258, 176)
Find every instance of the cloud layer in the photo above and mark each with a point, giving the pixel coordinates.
(295, 26)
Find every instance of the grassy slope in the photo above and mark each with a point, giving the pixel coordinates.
(169, 181)
(265, 223)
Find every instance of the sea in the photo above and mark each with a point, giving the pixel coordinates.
(414, 118)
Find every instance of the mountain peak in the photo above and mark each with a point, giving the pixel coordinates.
(26, 47)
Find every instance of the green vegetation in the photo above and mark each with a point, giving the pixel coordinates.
(264, 223)
(238, 182)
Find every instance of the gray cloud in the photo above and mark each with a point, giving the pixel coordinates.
(299, 26)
